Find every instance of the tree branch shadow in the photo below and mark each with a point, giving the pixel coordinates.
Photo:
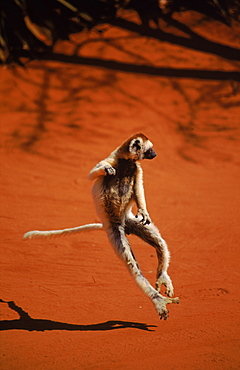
(144, 69)
(25, 322)
(193, 40)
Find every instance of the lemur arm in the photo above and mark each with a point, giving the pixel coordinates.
(103, 168)
(140, 196)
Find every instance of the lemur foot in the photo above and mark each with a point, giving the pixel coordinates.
(160, 303)
(165, 280)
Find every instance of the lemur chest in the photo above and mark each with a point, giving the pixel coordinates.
(120, 187)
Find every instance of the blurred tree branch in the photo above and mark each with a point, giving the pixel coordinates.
(34, 26)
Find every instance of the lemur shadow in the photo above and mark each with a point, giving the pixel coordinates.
(26, 322)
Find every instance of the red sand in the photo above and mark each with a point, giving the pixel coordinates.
(74, 304)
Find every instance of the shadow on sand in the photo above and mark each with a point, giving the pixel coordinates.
(25, 322)
(191, 40)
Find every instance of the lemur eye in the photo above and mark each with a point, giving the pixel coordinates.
(136, 144)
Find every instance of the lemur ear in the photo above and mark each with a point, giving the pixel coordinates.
(135, 145)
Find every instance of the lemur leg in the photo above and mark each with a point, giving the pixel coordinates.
(151, 235)
(117, 237)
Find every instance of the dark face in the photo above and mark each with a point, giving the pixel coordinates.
(149, 154)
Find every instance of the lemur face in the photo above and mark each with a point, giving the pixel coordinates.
(141, 148)
(150, 154)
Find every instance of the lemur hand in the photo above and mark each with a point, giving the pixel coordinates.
(146, 220)
(109, 170)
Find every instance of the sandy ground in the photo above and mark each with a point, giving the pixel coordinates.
(69, 303)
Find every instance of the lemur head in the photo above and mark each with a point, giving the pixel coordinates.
(138, 147)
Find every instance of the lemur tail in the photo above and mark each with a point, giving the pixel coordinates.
(72, 230)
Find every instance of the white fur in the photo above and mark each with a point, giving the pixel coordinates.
(72, 230)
